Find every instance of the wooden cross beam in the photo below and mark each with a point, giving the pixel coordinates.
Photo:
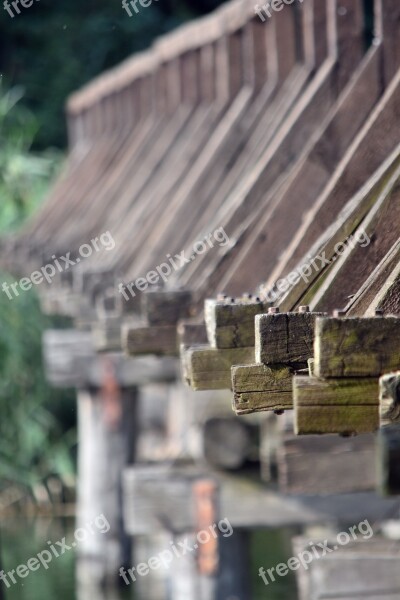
(283, 346)
(285, 338)
(389, 398)
(159, 340)
(341, 405)
(330, 464)
(210, 369)
(230, 321)
(261, 388)
(166, 308)
(356, 347)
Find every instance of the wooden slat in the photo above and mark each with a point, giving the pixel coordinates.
(210, 369)
(260, 388)
(230, 323)
(356, 347)
(160, 340)
(343, 406)
(286, 338)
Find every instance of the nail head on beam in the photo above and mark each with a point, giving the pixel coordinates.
(304, 309)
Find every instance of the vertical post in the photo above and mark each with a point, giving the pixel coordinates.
(107, 418)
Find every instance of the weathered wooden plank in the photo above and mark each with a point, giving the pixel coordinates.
(356, 347)
(230, 323)
(191, 333)
(357, 256)
(160, 340)
(344, 406)
(286, 338)
(389, 398)
(166, 307)
(260, 388)
(210, 369)
(387, 300)
(364, 567)
(313, 264)
(326, 464)
(383, 276)
(71, 360)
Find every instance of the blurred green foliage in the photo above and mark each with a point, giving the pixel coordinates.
(37, 428)
(53, 48)
(24, 175)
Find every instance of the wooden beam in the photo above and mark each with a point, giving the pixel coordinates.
(230, 323)
(345, 406)
(259, 388)
(191, 333)
(166, 307)
(356, 347)
(326, 464)
(389, 398)
(161, 340)
(286, 338)
(210, 369)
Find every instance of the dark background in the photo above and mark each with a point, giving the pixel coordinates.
(53, 48)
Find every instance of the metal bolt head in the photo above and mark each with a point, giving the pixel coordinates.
(304, 309)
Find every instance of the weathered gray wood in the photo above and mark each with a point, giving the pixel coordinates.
(387, 300)
(326, 464)
(191, 333)
(71, 361)
(363, 568)
(161, 340)
(261, 388)
(344, 406)
(107, 438)
(159, 496)
(106, 333)
(389, 398)
(356, 347)
(381, 280)
(210, 369)
(166, 308)
(230, 322)
(285, 338)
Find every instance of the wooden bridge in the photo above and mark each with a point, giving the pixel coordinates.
(247, 173)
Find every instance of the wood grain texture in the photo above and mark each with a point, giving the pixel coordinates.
(210, 369)
(326, 464)
(160, 340)
(166, 308)
(286, 338)
(259, 388)
(389, 398)
(356, 347)
(344, 406)
(231, 324)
